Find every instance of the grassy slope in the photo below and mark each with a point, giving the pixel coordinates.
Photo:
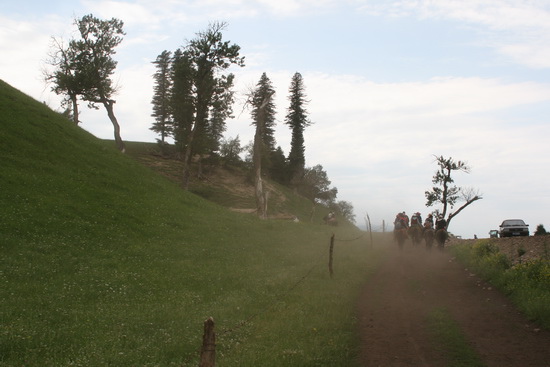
(105, 262)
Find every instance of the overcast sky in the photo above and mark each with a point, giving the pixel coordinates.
(391, 84)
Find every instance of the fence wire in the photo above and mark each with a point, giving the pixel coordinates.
(319, 261)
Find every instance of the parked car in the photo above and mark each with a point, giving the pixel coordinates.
(493, 233)
(514, 227)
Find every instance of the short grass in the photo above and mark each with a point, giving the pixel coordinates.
(450, 340)
(106, 263)
(526, 284)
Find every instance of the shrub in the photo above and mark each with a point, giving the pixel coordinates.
(527, 284)
(540, 231)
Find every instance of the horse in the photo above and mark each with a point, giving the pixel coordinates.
(400, 235)
(415, 233)
(429, 237)
(440, 237)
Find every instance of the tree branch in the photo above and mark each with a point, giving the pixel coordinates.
(468, 202)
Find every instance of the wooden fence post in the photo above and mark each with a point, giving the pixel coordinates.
(370, 229)
(208, 349)
(330, 255)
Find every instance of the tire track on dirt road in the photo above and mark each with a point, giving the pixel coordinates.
(397, 301)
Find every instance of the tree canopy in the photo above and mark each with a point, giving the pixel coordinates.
(201, 95)
(84, 68)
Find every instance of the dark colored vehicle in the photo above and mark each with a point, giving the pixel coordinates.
(514, 227)
(493, 233)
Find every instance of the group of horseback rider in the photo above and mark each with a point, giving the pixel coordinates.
(402, 221)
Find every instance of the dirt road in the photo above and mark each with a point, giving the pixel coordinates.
(412, 285)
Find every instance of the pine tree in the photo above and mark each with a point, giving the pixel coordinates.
(263, 116)
(297, 119)
(220, 110)
(279, 169)
(162, 96)
(261, 99)
(181, 99)
(206, 58)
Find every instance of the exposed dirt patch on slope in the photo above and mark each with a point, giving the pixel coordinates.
(409, 285)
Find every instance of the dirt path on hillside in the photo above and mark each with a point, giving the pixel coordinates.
(395, 308)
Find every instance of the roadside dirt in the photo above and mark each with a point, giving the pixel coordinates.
(396, 304)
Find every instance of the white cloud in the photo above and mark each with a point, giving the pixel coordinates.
(518, 29)
(133, 14)
(147, 12)
(296, 7)
(535, 54)
(24, 46)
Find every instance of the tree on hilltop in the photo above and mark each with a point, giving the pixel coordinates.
(94, 60)
(297, 120)
(263, 115)
(181, 99)
(84, 68)
(206, 92)
(66, 77)
(162, 96)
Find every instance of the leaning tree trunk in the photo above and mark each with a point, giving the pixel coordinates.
(199, 118)
(74, 102)
(261, 196)
(187, 160)
(108, 103)
(257, 159)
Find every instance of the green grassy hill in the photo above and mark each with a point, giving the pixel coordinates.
(105, 262)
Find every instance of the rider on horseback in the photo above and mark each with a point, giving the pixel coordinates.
(429, 222)
(441, 223)
(441, 234)
(401, 224)
(416, 220)
(401, 221)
